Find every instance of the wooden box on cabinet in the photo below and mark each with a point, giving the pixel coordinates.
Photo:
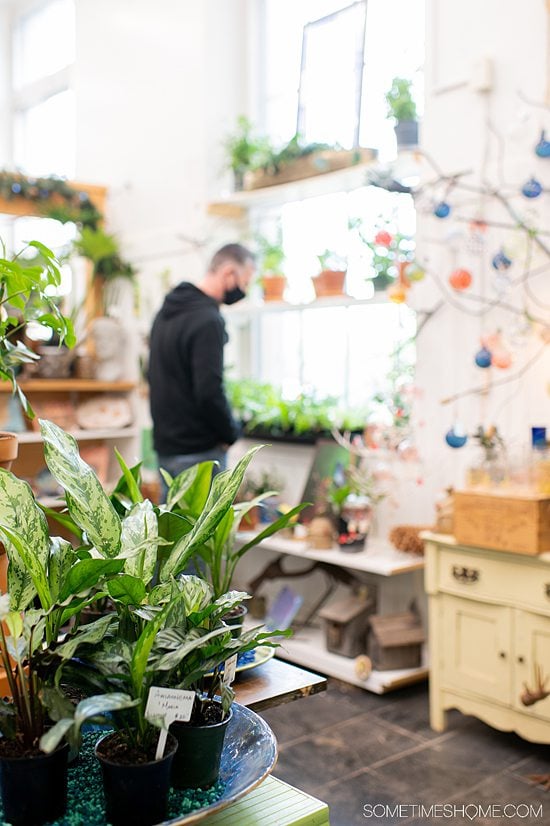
(489, 617)
(519, 524)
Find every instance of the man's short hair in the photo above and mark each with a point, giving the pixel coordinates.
(231, 252)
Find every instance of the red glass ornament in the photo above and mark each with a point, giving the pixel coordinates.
(383, 238)
(460, 279)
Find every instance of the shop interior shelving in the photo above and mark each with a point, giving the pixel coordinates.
(307, 646)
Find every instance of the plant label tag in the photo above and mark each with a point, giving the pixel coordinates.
(230, 669)
(170, 703)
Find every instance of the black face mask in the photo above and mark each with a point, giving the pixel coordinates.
(234, 295)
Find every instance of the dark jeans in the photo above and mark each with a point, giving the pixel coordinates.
(175, 464)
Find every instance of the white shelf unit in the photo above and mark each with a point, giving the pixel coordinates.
(248, 309)
(307, 647)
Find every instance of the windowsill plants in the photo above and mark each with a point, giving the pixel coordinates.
(330, 280)
(272, 278)
(402, 108)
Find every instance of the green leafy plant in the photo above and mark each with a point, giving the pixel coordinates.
(388, 249)
(244, 149)
(103, 251)
(271, 254)
(26, 296)
(293, 150)
(401, 105)
(490, 440)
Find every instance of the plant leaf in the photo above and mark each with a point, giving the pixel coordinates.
(143, 646)
(62, 558)
(132, 486)
(88, 503)
(192, 486)
(92, 633)
(86, 573)
(129, 590)
(140, 527)
(222, 493)
(24, 527)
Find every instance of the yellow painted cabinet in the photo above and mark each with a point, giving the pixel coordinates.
(477, 656)
(532, 652)
(489, 626)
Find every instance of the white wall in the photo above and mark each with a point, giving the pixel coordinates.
(158, 86)
(514, 36)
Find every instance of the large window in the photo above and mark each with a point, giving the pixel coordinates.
(44, 106)
(339, 351)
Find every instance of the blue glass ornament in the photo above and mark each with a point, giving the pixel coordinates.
(532, 188)
(442, 210)
(455, 438)
(483, 357)
(501, 261)
(16, 188)
(542, 149)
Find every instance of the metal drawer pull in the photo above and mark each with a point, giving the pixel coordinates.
(465, 575)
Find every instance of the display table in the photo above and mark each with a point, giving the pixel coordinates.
(274, 683)
(273, 803)
(489, 635)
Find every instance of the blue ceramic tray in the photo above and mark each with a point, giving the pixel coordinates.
(249, 754)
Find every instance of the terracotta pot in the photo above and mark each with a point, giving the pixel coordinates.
(8, 449)
(329, 283)
(274, 287)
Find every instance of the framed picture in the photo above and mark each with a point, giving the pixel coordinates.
(330, 461)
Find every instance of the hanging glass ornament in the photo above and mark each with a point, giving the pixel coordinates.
(415, 272)
(483, 357)
(532, 188)
(460, 279)
(501, 261)
(397, 293)
(383, 238)
(456, 437)
(542, 149)
(502, 358)
(442, 209)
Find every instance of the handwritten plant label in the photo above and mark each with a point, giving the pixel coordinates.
(171, 704)
(230, 669)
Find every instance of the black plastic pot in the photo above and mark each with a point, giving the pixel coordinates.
(197, 761)
(235, 618)
(34, 789)
(136, 794)
(406, 133)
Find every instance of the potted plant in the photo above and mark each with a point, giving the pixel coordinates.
(402, 108)
(20, 281)
(330, 281)
(272, 278)
(244, 150)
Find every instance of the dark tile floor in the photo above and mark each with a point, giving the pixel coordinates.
(365, 754)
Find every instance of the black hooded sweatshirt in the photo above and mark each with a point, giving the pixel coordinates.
(188, 403)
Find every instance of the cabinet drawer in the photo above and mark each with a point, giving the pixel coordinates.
(502, 579)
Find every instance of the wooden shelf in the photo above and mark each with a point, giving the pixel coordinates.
(69, 386)
(307, 648)
(34, 437)
(236, 205)
(378, 558)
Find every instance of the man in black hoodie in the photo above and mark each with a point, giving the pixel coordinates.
(192, 420)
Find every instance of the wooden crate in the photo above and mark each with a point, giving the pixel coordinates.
(326, 160)
(502, 522)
